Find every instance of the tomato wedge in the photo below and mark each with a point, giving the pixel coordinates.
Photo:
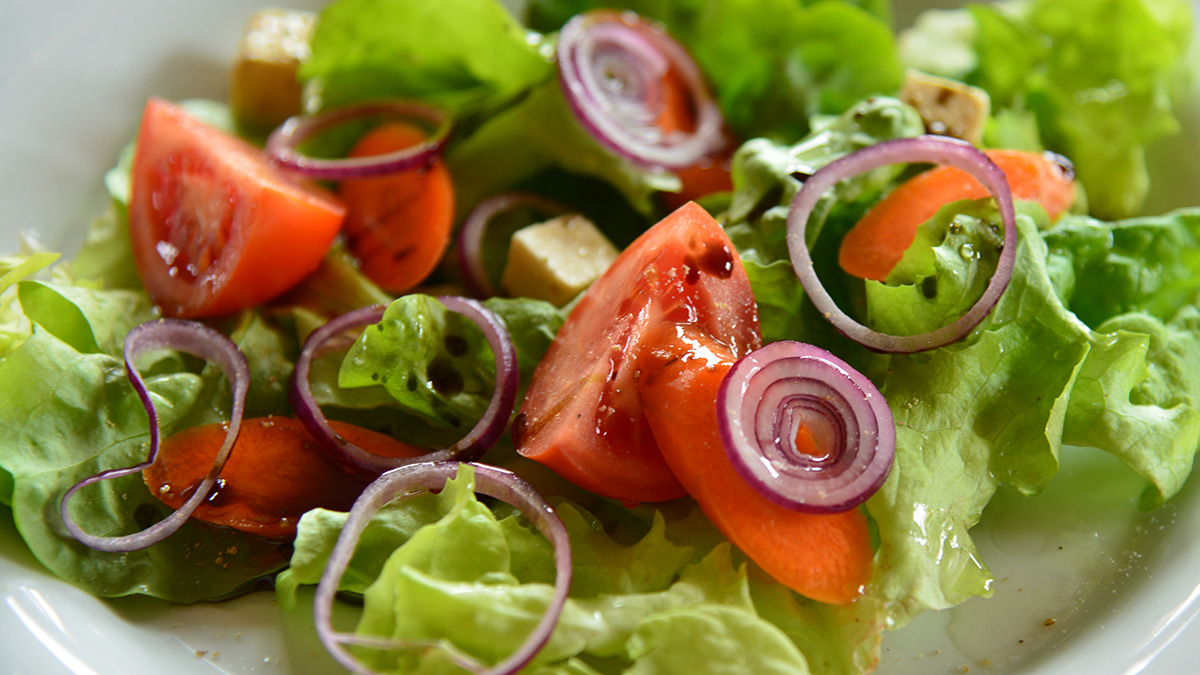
(877, 242)
(581, 415)
(398, 225)
(276, 473)
(215, 228)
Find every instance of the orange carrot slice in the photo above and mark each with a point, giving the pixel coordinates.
(824, 557)
(398, 225)
(873, 247)
(275, 473)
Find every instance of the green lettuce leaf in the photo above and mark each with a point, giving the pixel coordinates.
(474, 580)
(997, 406)
(436, 364)
(70, 415)
(767, 175)
(1097, 80)
(1149, 264)
(461, 55)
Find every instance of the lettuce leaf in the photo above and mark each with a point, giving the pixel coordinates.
(998, 406)
(436, 364)
(462, 55)
(72, 414)
(475, 580)
(1097, 81)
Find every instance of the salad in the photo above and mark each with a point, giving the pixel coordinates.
(1100, 299)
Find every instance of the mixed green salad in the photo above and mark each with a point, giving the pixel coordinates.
(1094, 343)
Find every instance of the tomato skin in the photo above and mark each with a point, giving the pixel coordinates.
(215, 228)
(581, 415)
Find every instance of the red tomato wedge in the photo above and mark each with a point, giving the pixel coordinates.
(276, 473)
(215, 228)
(877, 242)
(581, 415)
(398, 225)
(824, 557)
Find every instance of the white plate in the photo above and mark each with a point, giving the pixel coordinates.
(1120, 590)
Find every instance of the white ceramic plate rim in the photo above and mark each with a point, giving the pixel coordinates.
(73, 76)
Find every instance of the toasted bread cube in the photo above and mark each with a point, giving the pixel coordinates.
(949, 107)
(263, 89)
(556, 260)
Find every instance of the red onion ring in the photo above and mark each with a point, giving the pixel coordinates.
(479, 440)
(611, 66)
(468, 252)
(408, 481)
(935, 149)
(198, 340)
(773, 392)
(282, 144)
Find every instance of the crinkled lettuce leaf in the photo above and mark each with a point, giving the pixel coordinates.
(462, 55)
(71, 413)
(1149, 264)
(1096, 80)
(997, 406)
(437, 364)
(475, 580)
(767, 175)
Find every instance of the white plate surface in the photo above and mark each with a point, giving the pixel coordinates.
(1082, 586)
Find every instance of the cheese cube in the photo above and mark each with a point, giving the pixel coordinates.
(263, 89)
(949, 107)
(556, 260)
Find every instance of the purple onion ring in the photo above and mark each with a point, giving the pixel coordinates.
(611, 67)
(282, 144)
(408, 481)
(935, 149)
(198, 340)
(774, 392)
(479, 440)
(468, 252)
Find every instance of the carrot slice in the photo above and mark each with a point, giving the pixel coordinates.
(705, 177)
(824, 557)
(398, 225)
(275, 473)
(877, 242)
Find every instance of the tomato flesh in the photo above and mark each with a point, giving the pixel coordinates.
(582, 416)
(215, 228)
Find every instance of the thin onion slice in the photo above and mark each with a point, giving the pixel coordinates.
(785, 389)
(479, 440)
(470, 236)
(198, 340)
(934, 149)
(611, 66)
(409, 481)
(283, 143)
